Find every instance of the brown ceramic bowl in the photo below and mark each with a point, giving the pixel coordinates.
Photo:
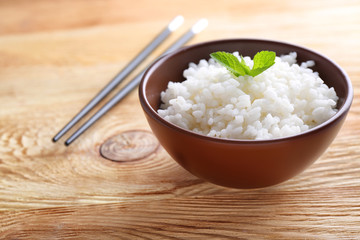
(241, 163)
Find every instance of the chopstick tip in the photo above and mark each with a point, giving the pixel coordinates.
(200, 25)
(176, 23)
(56, 138)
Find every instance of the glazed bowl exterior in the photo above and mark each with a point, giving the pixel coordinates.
(241, 163)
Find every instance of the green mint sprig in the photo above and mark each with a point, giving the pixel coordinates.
(262, 61)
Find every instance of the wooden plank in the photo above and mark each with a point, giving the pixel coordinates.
(55, 55)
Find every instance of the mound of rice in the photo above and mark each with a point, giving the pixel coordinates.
(284, 100)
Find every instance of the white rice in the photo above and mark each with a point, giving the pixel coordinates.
(284, 100)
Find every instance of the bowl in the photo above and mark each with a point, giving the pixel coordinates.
(241, 163)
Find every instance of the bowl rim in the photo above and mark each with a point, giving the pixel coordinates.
(153, 113)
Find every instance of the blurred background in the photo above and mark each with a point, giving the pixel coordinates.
(321, 24)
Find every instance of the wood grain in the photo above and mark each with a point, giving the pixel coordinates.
(56, 55)
(129, 146)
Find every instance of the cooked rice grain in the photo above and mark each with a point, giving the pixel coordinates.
(284, 100)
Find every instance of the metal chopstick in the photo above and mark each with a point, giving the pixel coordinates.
(172, 26)
(198, 27)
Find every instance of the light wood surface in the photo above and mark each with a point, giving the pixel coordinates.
(56, 55)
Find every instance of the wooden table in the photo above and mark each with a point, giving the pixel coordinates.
(56, 55)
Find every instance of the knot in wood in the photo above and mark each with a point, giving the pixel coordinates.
(129, 146)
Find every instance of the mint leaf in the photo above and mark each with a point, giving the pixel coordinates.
(229, 61)
(246, 67)
(262, 61)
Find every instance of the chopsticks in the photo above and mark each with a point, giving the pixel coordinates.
(196, 28)
(172, 26)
